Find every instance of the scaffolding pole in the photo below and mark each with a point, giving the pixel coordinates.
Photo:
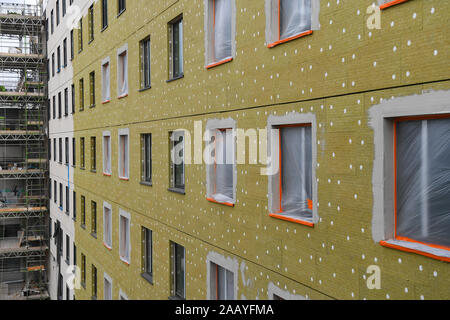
(24, 190)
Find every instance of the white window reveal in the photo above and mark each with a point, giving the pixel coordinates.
(221, 177)
(411, 176)
(107, 225)
(291, 185)
(220, 30)
(107, 287)
(107, 153)
(177, 160)
(106, 86)
(124, 236)
(122, 71)
(222, 277)
(290, 19)
(124, 152)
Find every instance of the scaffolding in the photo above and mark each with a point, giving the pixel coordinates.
(24, 190)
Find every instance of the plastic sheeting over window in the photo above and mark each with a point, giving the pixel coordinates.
(295, 17)
(423, 181)
(123, 156)
(177, 160)
(106, 95)
(223, 166)
(123, 74)
(222, 29)
(296, 172)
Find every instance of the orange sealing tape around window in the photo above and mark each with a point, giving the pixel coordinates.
(229, 204)
(393, 246)
(424, 243)
(282, 217)
(391, 3)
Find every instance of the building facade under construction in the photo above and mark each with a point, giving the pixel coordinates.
(24, 189)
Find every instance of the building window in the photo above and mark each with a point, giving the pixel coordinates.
(124, 152)
(80, 36)
(71, 45)
(176, 48)
(221, 283)
(106, 153)
(92, 89)
(57, 12)
(67, 249)
(107, 225)
(60, 151)
(58, 59)
(124, 236)
(121, 6)
(59, 105)
(67, 292)
(107, 287)
(60, 286)
(74, 254)
(122, 72)
(288, 20)
(66, 146)
(177, 160)
(122, 295)
(91, 23)
(94, 219)
(219, 38)
(220, 175)
(74, 153)
(411, 174)
(81, 94)
(74, 201)
(82, 160)
(178, 265)
(67, 201)
(54, 107)
(53, 64)
(65, 53)
(55, 190)
(66, 102)
(54, 150)
(83, 270)
(145, 63)
(292, 185)
(63, 8)
(384, 4)
(73, 98)
(421, 166)
(94, 283)
(104, 14)
(147, 254)
(61, 197)
(93, 154)
(83, 211)
(52, 21)
(106, 94)
(146, 158)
